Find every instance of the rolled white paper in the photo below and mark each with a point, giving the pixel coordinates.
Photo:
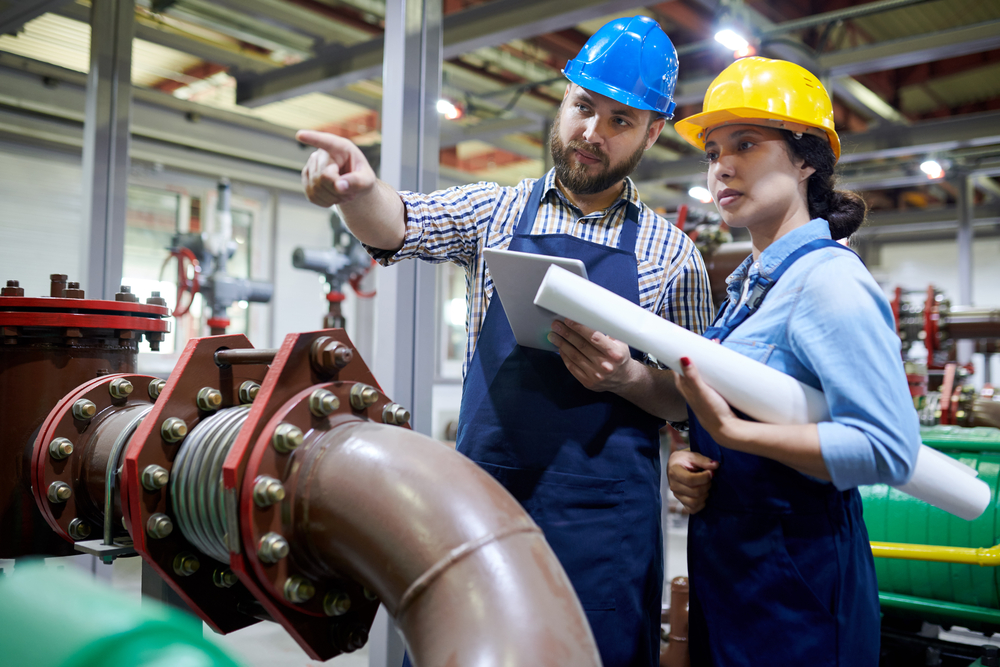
(762, 392)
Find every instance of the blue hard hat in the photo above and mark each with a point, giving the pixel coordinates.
(630, 60)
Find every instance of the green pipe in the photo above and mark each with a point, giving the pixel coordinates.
(979, 439)
(949, 609)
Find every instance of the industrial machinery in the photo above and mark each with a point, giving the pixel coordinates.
(273, 484)
(345, 261)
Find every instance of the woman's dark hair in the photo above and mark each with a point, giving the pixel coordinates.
(844, 210)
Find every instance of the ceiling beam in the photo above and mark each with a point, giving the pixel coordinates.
(20, 12)
(485, 25)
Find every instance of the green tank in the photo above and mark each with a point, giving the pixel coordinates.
(943, 593)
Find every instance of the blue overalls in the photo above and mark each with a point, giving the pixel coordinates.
(780, 565)
(584, 464)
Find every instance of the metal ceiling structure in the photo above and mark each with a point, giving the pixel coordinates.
(911, 79)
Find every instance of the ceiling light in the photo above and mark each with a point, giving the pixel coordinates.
(449, 109)
(933, 169)
(701, 194)
(731, 39)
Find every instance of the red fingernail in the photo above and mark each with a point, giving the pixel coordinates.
(685, 361)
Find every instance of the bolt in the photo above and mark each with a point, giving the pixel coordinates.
(298, 590)
(84, 409)
(120, 388)
(12, 283)
(209, 399)
(159, 526)
(173, 429)
(336, 603)
(394, 413)
(224, 578)
(286, 438)
(186, 564)
(79, 529)
(330, 355)
(363, 396)
(156, 300)
(272, 548)
(125, 294)
(155, 477)
(60, 448)
(350, 639)
(13, 288)
(72, 291)
(322, 402)
(370, 594)
(59, 492)
(249, 391)
(155, 387)
(267, 491)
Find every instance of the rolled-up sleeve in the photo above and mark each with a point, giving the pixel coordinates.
(841, 328)
(443, 226)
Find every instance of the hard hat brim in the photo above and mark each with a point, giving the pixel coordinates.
(617, 94)
(695, 129)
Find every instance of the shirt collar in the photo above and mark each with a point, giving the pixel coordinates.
(629, 193)
(776, 253)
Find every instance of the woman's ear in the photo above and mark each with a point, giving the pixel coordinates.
(806, 170)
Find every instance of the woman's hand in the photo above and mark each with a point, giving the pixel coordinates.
(713, 413)
(690, 478)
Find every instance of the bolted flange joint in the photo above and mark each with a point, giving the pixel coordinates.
(174, 429)
(155, 477)
(394, 413)
(286, 438)
(155, 387)
(59, 492)
(249, 391)
(267, 491)
(60, 448)
(84, 409)
(272, 548)
(298, 589)
(159, 526)
(363, 396)
(209, 399)
(120, 388)
(323, 402)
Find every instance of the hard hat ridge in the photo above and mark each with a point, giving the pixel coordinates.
(630, 60)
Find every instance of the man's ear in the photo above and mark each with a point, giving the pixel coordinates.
(654, 131)
(567, 89)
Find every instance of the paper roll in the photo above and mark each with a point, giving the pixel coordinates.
(744, 382)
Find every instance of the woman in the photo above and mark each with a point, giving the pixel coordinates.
(779, 559)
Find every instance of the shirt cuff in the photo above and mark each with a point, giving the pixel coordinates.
(411, 241)
(847, 455)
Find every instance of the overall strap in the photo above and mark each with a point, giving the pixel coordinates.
(530, 212)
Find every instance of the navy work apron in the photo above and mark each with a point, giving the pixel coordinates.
(584, 464)
(780, 565)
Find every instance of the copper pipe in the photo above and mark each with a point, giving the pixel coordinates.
(678, 653)
(457, 562)
(963, 322)
(244, 356)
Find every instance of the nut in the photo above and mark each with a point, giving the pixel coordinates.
(330, 355)
(79, 529)
(363, 396)
(159, 526)
(186, 564)
(298, 589)
(155, 477)
(174, 429)
(267, 491)
(394, 413)
(286, 438)
(224, 578)
(155, 387)
(323, 402)
(60, 448)
(59, 492)
(209, 399)
(120, 388)
(336, 603)
(248, 391)
(84, 409)
(370, 594)
(272, 548)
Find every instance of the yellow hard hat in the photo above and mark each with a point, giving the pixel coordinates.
(760, 91)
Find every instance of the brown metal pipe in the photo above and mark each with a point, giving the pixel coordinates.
(965, 323)
(678, 653)
(457, 562)
(244, 356)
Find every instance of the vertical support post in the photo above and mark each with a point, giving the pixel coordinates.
(405, 313)
(966, 204)
(106, 143)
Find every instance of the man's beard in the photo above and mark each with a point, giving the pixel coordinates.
(573, 174)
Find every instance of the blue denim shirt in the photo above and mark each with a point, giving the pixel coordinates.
(828, 324)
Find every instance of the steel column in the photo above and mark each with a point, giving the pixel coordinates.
(105, 143)
(405, 312)
(966, 205)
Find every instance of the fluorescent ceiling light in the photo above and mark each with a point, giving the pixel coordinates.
(932, 168)
(447, 109)
(731, 40)
(701, 194)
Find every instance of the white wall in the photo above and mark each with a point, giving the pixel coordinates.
(914, 266)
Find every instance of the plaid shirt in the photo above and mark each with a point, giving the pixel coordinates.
(455, 225)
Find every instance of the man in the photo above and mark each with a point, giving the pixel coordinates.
(573, 436)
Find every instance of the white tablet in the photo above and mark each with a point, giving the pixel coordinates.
(516, 277)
